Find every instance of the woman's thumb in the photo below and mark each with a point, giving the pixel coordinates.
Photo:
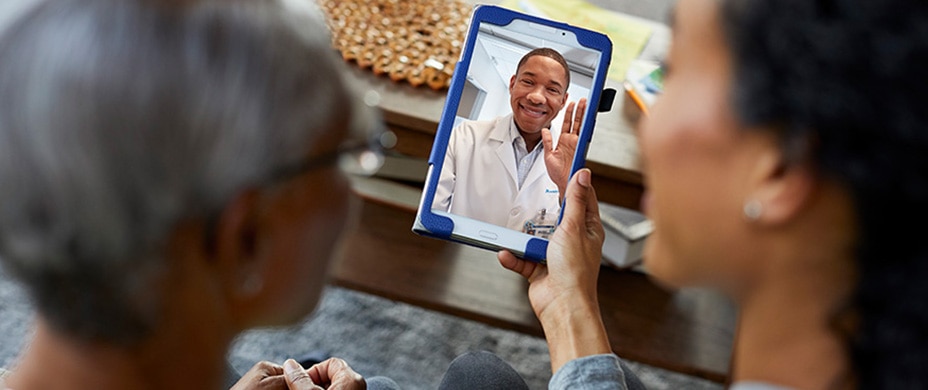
(576, 199)
(297, 377)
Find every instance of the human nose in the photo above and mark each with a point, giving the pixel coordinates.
(536, 96)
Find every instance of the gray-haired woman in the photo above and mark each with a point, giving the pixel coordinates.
(168, 179)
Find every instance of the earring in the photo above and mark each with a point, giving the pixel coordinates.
(252, 285)
(753, 209)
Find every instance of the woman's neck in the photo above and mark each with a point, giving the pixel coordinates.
(806, 273)
(787, 335)
(53, 361)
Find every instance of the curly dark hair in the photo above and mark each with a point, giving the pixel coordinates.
(842, 76)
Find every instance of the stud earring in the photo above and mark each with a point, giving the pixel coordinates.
(252, 285)
(753, 209)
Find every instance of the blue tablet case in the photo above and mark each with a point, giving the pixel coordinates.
(442, 227)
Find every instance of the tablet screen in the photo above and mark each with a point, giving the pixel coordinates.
(522, 80)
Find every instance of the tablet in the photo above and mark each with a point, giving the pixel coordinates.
(516, 125)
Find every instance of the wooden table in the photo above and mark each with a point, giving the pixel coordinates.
(686, 331)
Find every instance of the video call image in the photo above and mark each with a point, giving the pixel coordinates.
(518, 86)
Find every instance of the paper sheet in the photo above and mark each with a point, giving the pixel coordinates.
(629, 36)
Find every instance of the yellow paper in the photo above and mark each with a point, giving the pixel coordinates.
(628, 35)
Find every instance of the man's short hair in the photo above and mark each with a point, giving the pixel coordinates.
(550, 53)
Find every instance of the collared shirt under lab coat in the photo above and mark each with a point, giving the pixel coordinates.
(479, 177)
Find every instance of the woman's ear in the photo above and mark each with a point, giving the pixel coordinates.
(782, 187)
(235, 255)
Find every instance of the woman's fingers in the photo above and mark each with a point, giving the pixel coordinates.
(511, 262)
(577, 202)
(263, 375)
(593, 223)
(336, 374)
(296, 377)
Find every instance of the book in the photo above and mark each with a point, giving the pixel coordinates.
(626, 232)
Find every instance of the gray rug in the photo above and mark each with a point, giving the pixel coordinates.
(376, 336)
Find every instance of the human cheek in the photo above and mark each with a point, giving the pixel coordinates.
(315, 249)
(661, 258)
(555, 105)
(514, 99)
(334, 209)
(672, 172)
(346, 214)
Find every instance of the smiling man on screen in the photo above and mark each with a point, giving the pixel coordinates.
(493, 171)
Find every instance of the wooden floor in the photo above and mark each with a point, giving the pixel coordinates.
(689, 331)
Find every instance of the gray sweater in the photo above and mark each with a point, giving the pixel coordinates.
(608, 372)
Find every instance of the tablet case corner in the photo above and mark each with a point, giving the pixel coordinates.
(537, 250)
(436, 225)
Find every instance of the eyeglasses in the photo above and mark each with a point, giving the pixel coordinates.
(363, 155)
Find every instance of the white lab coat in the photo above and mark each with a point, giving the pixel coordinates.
(479, 178)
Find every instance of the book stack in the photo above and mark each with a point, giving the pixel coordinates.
(626, 231)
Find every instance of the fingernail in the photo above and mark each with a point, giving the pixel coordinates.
(584, 177)
(292, 367)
